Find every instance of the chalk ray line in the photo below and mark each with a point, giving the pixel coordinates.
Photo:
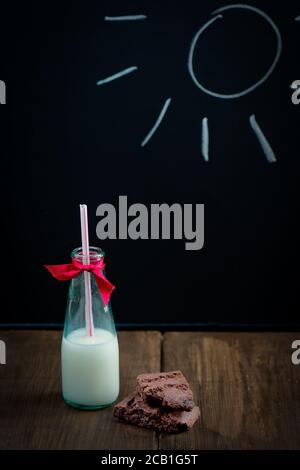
(205, 139)
(116, 75)
(157, 123)
(125, 18)
(265, 145)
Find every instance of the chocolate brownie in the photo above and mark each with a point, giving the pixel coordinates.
(166, 389)
(134, 410)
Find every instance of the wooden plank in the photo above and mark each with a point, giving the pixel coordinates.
(246, 385)
(32, 412)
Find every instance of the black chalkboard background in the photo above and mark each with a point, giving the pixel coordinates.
(66, 141)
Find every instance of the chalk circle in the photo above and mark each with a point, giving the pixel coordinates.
(206, 25)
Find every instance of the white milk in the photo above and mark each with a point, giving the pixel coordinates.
(90, 368)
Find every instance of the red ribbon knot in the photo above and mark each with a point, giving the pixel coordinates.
(65, 272)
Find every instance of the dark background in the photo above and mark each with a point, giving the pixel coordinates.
(65, 141)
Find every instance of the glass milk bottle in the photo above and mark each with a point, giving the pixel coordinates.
(90, 364)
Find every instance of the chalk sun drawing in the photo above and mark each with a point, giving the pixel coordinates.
(206, 25)
(262, 139)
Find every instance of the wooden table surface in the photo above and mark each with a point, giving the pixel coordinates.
(245, 384)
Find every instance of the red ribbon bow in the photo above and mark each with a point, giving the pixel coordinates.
(65, 272)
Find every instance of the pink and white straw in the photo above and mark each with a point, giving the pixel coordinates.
(87, 277)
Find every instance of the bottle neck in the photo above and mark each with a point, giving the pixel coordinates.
(95, 255)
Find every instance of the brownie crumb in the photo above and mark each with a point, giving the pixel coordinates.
(168, 389)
